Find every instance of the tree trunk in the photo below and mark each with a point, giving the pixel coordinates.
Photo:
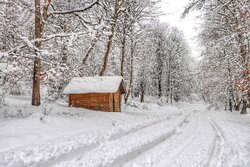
(245, 58)
(123, 52)
(171, 93)
(159, 66)
(237, 104)
(169, 80)
(92, 46)
(159, 88)
(244, 107)
(248, 99)
(160, 69)
(142, 92)
(203, 96)
(110, 38)
(36, 83)
(124, 39)
(230, 105)
(231, 93)
(37, 62)
(106, 55)
(131, 71)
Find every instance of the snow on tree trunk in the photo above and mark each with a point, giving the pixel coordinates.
(36, 101)
(110, 37)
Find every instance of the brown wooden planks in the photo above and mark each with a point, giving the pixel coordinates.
(97, 101)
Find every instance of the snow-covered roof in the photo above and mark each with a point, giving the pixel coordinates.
(97, 84)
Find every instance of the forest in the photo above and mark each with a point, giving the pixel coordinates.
(107, 83)
(85, 38)
(46, 43)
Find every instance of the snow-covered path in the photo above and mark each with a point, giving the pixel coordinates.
(190, 137)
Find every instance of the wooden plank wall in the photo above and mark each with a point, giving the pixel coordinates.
(97, 101)
(117, 101)
(111, 102)
(94, 101)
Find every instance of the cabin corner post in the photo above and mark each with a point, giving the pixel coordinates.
(69, 97)
(113, 102)
(120, 102)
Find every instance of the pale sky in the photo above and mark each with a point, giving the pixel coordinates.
(173, 10)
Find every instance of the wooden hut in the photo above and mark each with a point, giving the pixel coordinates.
(102, 93)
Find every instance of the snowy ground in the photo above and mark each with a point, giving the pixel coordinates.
(186, 135)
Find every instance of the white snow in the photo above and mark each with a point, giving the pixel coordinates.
(97, 84)
(186, 135)
(3, 66)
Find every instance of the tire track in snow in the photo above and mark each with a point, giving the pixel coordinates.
(169, 148)
(193, 150)
(117, 152)
(198, 149)
(122, 160)
(218, 147)
(123, 132)
(114, 135)
(50, 153)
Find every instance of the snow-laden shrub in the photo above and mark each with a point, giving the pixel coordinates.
(16, 90)
(145, 106)
(15, 112)
(46, 111)
(132, 103)
(3, 105)
(20, 88)
(2, 99)
(11, 111)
